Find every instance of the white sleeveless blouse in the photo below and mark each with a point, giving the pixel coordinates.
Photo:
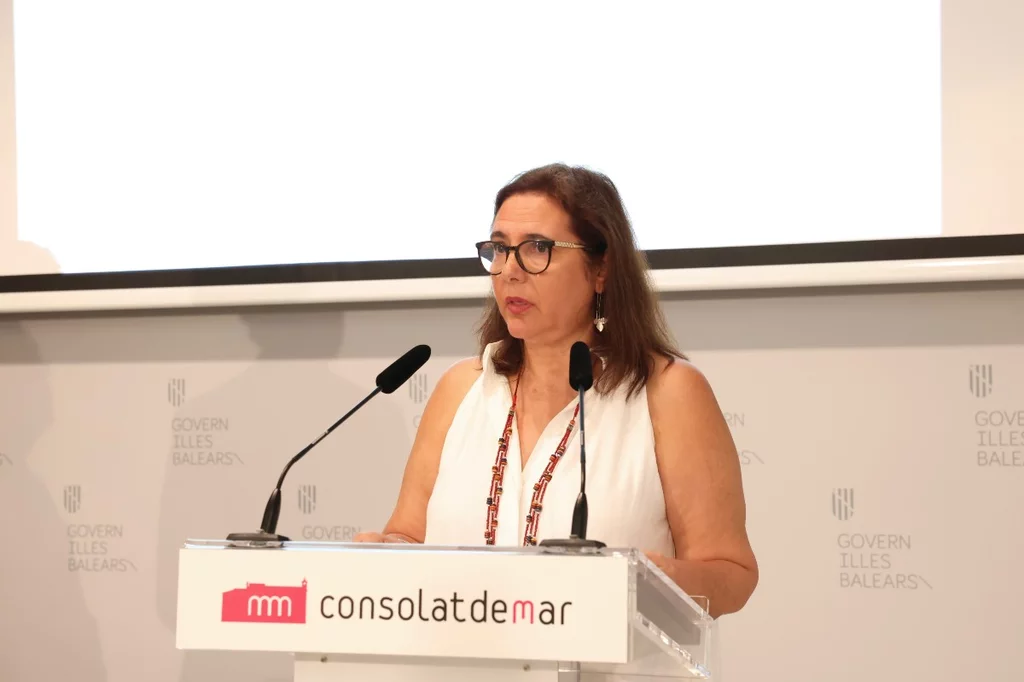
(624, 493)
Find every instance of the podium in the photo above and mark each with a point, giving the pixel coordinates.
(389, 612)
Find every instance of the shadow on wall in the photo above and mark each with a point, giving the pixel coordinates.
(228, 446)
(147, 336)
(46, 627)
(25, 258)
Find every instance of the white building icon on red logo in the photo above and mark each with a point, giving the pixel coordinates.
(259, 603)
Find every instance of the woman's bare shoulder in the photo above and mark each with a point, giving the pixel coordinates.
(672, 375)
(455, 383)
(461, 375)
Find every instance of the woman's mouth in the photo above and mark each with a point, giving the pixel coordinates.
(517, 306)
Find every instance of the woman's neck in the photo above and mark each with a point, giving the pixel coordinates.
(546, 370)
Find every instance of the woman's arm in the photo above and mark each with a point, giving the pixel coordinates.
(704, 502)
(408, 522)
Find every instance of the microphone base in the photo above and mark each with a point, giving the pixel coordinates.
(259, 537)
(572, 544)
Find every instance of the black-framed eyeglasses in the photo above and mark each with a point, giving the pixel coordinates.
(533, 255)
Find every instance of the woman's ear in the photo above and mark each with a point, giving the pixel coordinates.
(601, 274)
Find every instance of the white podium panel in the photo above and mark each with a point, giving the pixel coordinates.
(414, 612)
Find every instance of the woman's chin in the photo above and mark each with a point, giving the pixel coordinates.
(517, 329)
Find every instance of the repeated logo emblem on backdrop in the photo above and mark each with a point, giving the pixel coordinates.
(842, 503)
(981, 380)
(72, 498)
(998, 429)
(94, 546)
(198, 440)
(418, 388)
(419, 391)
(176, 392)
(307, 498)
(877, 559)
(321, 529)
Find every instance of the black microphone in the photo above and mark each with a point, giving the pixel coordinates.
(581, 378)
(388, 381)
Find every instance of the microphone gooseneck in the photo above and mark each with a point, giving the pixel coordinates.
(388, 381)
(580, 511)
(581, 378)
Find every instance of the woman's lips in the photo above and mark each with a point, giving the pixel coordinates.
(517, 306)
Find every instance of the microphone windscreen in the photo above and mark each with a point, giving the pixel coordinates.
(399, 371)
(581, 371)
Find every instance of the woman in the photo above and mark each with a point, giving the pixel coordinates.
(663, 474)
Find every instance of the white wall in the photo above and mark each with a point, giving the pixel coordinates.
(869, 390)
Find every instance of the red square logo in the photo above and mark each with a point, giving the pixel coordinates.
(260, 603)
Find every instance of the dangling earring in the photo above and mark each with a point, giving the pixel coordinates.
(599, 319)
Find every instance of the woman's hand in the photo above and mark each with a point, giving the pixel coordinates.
(659, 560)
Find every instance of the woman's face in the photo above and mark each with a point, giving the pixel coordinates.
(555, 305)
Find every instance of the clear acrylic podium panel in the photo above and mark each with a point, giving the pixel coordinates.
(669, 631)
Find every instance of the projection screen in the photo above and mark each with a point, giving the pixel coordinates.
(228, 152)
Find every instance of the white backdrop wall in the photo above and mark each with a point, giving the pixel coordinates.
(881, 435)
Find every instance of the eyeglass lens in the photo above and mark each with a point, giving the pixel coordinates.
(533, 256)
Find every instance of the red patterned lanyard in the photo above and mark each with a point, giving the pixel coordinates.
(539, 488)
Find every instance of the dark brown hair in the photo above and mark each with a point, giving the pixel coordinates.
(636, 329)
